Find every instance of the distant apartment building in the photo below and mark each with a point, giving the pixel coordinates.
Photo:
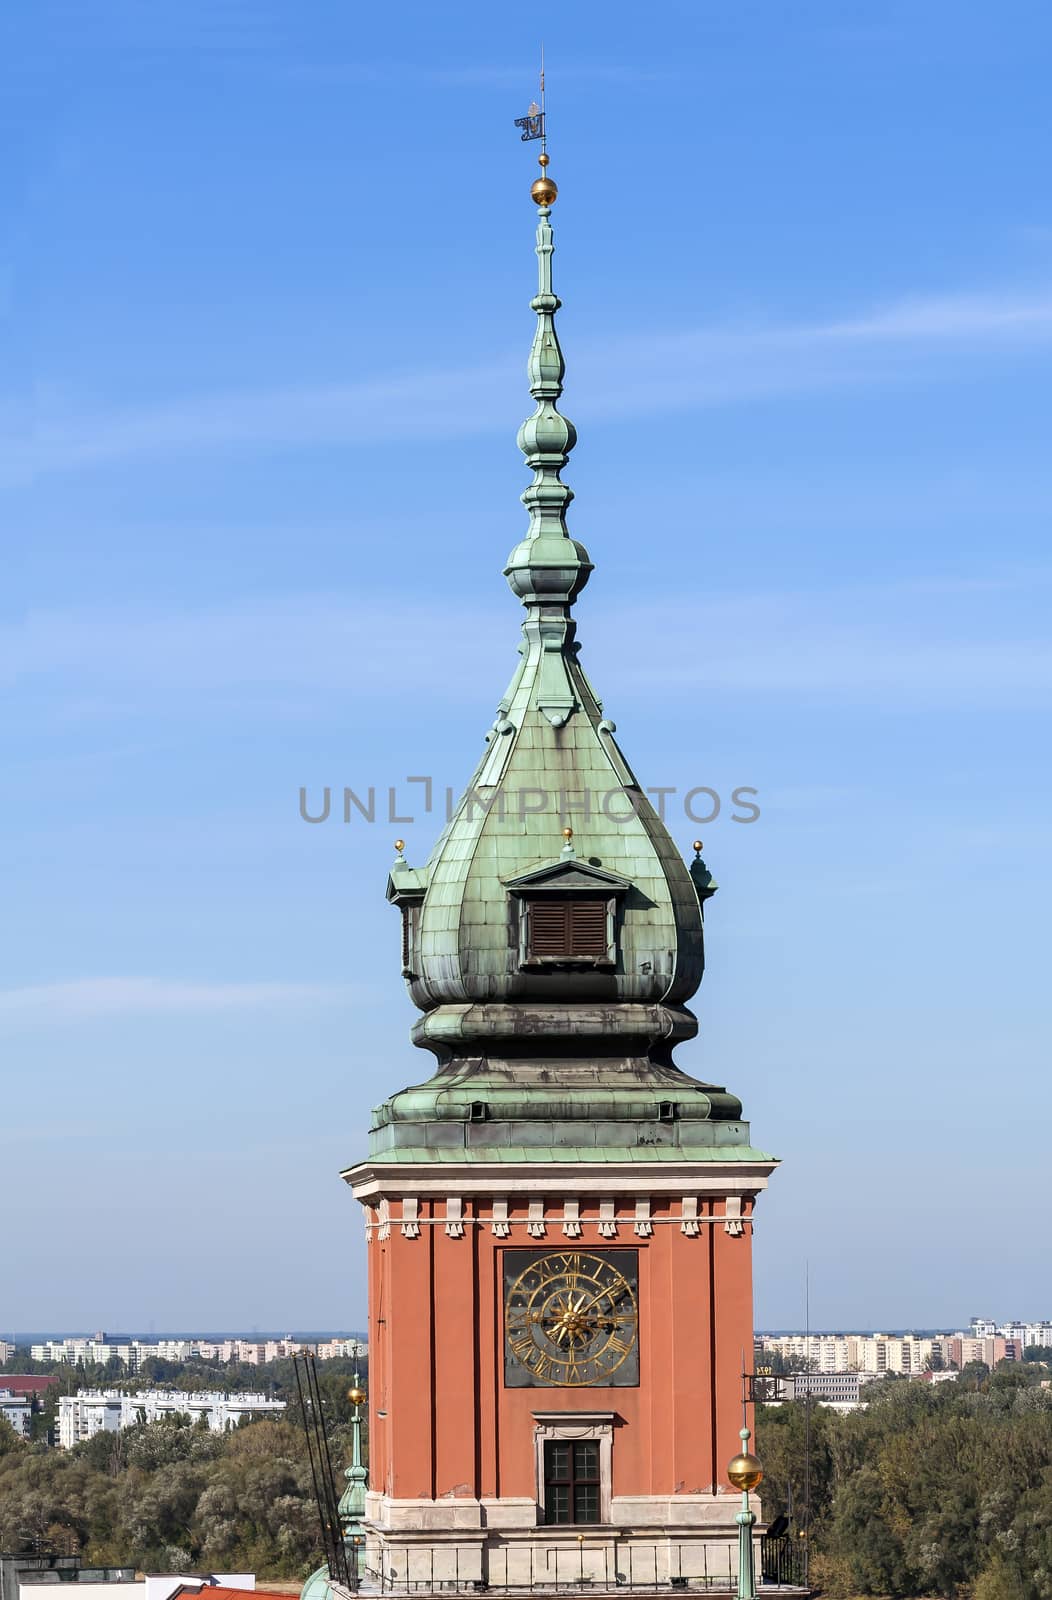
(96, 1350)
(132, 1353)
(876, 1355)
(343, 1350)
(838, 1388)
(963, 1349)
(17, 1410)
(7, 1350)
(92, 1411)
(905, 1355)
(826, 1352)
(251, 1352)
(1024, 1333)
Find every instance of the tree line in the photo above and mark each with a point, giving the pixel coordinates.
(170, 1496)
(934, 1489)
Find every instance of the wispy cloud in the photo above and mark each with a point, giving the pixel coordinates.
(681, 370)
(940, 642)
(79, 999)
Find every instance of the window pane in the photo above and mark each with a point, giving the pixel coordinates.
(586, 1461)
(557, 1504)
(586, 1502)
(557, 1465)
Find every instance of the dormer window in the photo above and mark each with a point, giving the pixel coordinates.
(406, 888)
(559, 929)
(567, 914)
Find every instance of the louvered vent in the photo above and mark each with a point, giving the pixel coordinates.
(568, 929)
(408, 931)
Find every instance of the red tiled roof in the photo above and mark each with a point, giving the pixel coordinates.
(27, 1382)
(215, 1591)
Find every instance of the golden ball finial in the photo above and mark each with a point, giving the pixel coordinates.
(544, 191)
(697, 846)
(356, 1395)
(543, 159)
(399, 845)
(745, 1471)
(567, 833)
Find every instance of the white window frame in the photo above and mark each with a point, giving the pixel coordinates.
(571, 1427)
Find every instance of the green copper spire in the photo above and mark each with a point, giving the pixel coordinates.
(352, 1501)
(541, 1055)
(547, 566)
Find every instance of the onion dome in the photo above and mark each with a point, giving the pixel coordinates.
(554, 936)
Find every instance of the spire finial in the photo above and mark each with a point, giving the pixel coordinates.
(548, 566)
(544, 190)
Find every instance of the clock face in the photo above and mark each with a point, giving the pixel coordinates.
(571, 1318)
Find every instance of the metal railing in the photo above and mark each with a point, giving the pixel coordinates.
(783, 1560)
(579, 1565)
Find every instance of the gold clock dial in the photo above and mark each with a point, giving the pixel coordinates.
(571, 1319)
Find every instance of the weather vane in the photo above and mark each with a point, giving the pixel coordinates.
(532, 124)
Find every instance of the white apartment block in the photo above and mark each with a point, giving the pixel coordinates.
(92, 1411)
(1025, 1333)
(872, 1354)
(828, 1351)
(7, 1350)
(343, 1349)
(97, 1350)
(908, 1355)
(250, 1352)
(17, 1410)
(878, 1353)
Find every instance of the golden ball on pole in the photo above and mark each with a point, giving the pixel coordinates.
(745, 1471)
(356, 1396)
(544, 191)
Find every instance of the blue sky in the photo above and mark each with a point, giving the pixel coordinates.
(265, 296)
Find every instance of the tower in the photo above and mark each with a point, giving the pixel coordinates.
(559, 1219)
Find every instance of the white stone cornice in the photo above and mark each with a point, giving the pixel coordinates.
(578, 1180)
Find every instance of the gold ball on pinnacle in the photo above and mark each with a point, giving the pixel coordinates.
(744, 1471)
(399, 845)
(356, 1396)
(543, 159)
(697, 846)
(567, 833)
(544, 191)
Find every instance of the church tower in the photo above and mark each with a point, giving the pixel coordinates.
(559, 1219)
